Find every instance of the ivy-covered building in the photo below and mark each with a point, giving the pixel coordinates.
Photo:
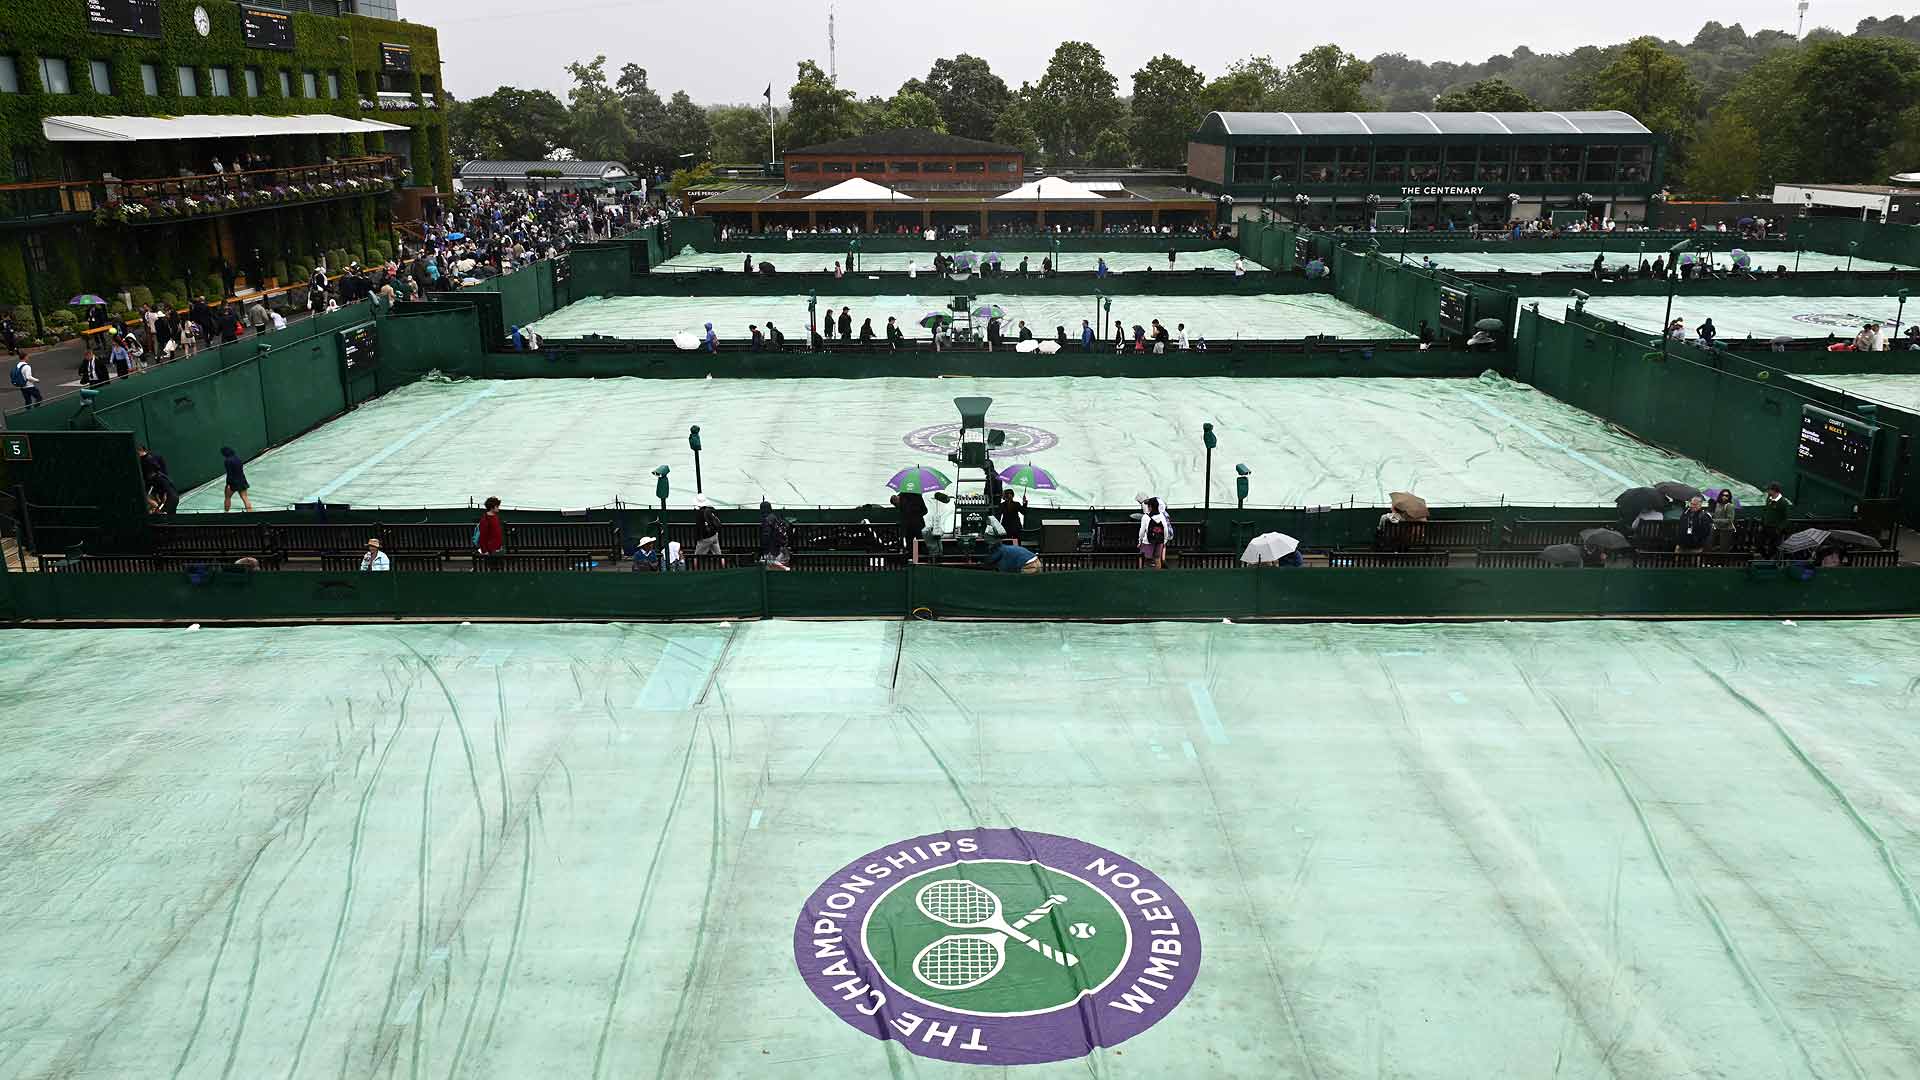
(328, 126)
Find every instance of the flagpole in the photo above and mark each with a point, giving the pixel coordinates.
(771, 150)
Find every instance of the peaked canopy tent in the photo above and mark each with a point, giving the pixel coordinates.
(202, 126)
(858, 189)
(1052, 187)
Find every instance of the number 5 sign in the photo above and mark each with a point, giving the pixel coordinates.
(15, 448)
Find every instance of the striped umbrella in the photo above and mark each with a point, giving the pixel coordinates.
(920, 478)
(1029, 476)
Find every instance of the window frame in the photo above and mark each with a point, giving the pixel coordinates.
(150, 79)
(250, 80)
(9, 74)
(99, 72)
(186, 80)
(46, 75)
(216, 76)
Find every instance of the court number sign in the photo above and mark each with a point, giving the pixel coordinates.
(15, 448)
(997, 946)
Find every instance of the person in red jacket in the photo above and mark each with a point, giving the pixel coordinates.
(490, 536)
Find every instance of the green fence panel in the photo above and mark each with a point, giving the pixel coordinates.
(81, 487)
(188, 424)
(444, 337)
(302, 387)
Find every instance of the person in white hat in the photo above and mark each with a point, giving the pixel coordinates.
(646, 557)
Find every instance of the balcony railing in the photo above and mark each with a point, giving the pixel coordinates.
(140, 202)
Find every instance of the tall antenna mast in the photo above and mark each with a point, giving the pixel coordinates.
(833, 72)
(1799, 32)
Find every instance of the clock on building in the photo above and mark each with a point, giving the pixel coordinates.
(201, 22)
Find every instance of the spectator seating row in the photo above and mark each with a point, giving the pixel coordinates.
(322, 540)
(1670, 560)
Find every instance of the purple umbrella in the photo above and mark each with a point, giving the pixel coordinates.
(1028, 476)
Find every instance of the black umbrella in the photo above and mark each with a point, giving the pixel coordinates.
(1603, 540)
(1636, 501)
(1561, 555)
(1804, 540)
(1675, 490)
(1850, 539)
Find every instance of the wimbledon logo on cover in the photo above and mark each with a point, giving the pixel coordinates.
(997, 946)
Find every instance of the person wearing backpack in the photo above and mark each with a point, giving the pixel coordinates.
(22, 379)
(707, 530)
(1155, 528)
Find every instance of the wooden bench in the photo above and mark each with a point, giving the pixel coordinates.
(1447, 535)
(1510, 560)
(1539, 534)
(847, 561)
(426, 538)
(1204, 560)
(302, 540)
(839, 536)
(559, 537)
(515, 562)
(1385, 560)
(1672, 560)
(211, 540)
(1125, 535)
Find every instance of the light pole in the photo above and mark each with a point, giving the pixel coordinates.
(853, 255)
(660, 488)
(813, 304)
(1673, 254)
(1852, 246)
(1899, 317)
(693, 442)
(1241, 483)
(1207, 437)
(1406, 207)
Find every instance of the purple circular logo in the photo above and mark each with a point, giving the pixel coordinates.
(1022, 440)
(997, 946)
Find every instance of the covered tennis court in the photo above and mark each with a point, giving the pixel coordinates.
(1763, 317)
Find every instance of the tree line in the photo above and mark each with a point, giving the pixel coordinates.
(1741, 110)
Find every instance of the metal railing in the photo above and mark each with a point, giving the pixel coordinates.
(171, 198)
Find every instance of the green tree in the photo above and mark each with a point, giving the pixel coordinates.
(684, 180)
(510, 124)
(1727, 159)
(970, 96)
(1761, 101)
(1487, 95)
(1326, 78)
(646, 117)
(1166, 110)
(1903, 150)
(1075, 100)
(1652, 85)
(1236, 91)
(1112, 149)
(909, 109)
(1014, 128)
(686, 130)
(1849, 97)
(596, 119)
(739, 133)
(818, 110)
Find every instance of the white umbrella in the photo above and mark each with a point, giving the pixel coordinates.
(1028, 345)
(687, 340)
(1269, 547)
(1048, 348)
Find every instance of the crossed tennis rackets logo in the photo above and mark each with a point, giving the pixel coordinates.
(963, 961)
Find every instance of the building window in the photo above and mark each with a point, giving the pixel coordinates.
(1284, 164)
(222, 83)
(150, 79)
(251, 77)
(53, 76)
(873, 166)
(189, 81)
(333, 84)
(936, 167)
(9, 76)
(836, 166)
(970, 167)
(286, 84)
(803, 167)
(1389, 164)
(102, 77)
(309, 86)
(904, 166)
(1000, 166)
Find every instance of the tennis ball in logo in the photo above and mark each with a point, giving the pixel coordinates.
(1081, 930)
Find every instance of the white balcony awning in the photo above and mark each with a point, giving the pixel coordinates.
(202, 126)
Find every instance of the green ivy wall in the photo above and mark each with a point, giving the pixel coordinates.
(176, 257)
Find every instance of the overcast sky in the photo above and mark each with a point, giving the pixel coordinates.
(723, 51)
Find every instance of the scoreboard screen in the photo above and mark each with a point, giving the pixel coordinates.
(1456, 311)
(1836, 449)
(360, 348)
(397, 59)
(265, 28)
(1302, 250)
(124, 18)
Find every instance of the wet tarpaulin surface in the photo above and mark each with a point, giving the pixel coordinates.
(1642, 850)
(1899, 390)
(1523, 261)
(560, 443)
(1216, 318)
(1118, 262)
(1762, 317)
